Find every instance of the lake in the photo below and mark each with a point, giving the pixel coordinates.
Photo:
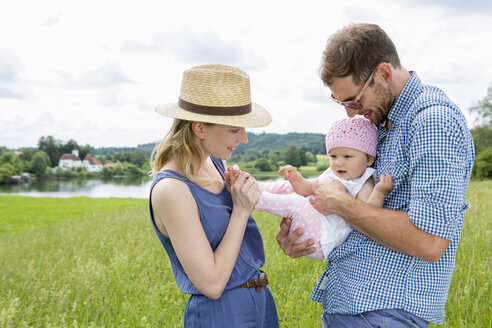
(116, 187)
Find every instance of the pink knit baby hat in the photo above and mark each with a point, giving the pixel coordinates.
(357, 133)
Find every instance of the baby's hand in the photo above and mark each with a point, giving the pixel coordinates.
(231, 175)
(288, 172)
(385, 184)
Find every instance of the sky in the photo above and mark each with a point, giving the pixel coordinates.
(93, 71)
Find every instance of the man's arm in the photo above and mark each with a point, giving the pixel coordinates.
(390, 228)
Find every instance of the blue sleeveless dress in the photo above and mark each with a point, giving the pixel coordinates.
(237, 307)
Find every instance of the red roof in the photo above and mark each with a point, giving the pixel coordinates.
(92, 160)
(70, 156)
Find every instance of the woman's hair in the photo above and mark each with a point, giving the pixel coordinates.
(179, 144)
(356, 50)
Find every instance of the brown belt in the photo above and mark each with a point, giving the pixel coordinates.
(262, 281)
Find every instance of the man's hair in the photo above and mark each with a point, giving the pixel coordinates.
(356, 50)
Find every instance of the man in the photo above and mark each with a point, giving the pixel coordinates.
(395, 268)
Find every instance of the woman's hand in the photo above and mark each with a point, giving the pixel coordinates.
(231, 174)
(245, 191)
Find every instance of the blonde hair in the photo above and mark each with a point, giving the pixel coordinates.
(179, 145)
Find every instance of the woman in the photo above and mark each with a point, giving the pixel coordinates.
(201, 213)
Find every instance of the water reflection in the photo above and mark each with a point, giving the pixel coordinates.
(119, 188)
(102, 188)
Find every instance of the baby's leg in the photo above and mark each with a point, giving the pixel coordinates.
(282, 187)
(301, 212)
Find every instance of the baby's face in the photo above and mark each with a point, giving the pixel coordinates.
(348, 163)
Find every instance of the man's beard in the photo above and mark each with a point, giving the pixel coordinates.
(387, 99)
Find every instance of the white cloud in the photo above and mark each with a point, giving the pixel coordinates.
(102, 77)
(93, 71)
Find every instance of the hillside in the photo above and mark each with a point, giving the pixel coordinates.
(312, 142)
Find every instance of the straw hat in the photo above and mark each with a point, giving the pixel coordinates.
(217, 94)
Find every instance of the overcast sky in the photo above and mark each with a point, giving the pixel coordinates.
(93, 71)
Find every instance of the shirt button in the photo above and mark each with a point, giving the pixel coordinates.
(334, 265)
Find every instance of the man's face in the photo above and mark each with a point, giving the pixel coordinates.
(376, 100)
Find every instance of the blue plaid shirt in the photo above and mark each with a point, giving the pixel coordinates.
(429, 152)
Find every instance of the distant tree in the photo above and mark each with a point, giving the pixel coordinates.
(137, 158)
(26, 154)
(484, 109)
(118, 169)
(311, 158)
(69, 146)
(482, 132)
(263, 165)
(10, 158)
(292, 156)
(84, 150)
(107, 172)
(303, 157)
(6, 171)
(52, 148)
(132, 169)
(482, 168)
(482, 138)
(39, 163)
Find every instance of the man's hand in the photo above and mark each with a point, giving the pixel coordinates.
(328, 196)
(288, 242)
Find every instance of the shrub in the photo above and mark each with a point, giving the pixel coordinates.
(263, 165)
(482, 168)
(6, 171)
(322, 167)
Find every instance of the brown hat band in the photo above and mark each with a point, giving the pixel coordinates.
(212, 110)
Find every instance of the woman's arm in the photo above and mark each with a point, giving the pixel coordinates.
(175, 207)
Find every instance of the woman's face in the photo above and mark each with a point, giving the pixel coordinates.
(221, 140)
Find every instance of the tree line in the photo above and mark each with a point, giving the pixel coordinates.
(264, 152)
(482, 137)
(43, 161)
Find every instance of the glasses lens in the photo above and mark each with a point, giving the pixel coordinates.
(353, 105)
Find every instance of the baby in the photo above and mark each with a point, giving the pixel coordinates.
(351, 145)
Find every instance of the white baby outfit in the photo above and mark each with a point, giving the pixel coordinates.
(327, 231)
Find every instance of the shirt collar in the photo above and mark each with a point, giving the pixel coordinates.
(405, 98)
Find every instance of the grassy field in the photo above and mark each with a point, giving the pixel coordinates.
(81, 262)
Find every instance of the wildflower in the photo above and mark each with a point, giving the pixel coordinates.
(85, 302)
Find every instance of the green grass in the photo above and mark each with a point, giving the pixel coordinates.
(82, 262)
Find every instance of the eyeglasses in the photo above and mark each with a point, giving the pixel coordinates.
(355, 104)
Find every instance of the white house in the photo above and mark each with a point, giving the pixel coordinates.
(91, 163)
(68, 160)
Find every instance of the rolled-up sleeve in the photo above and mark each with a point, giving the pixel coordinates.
(437, 171)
